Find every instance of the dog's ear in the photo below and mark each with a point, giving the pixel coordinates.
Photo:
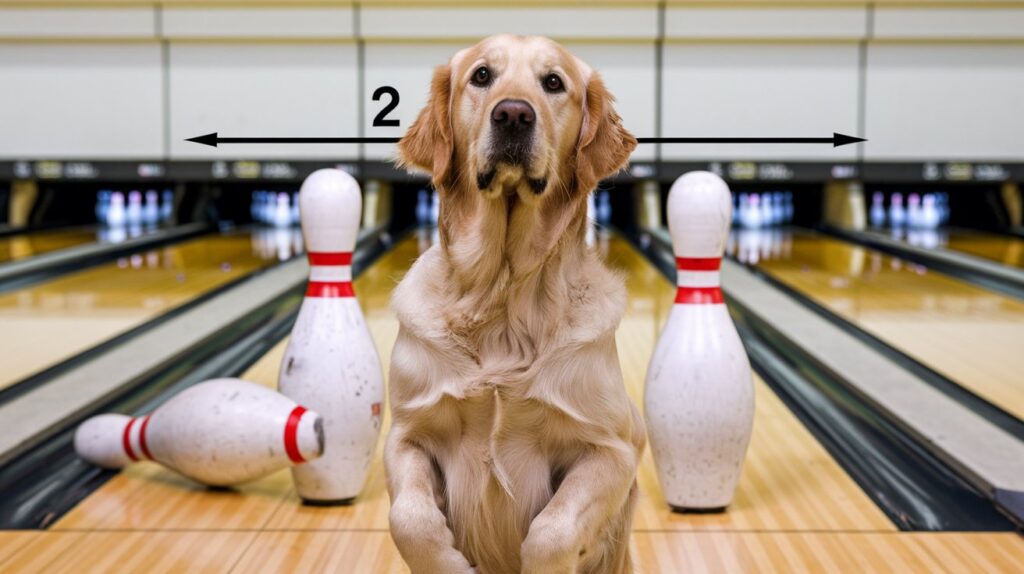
(428, 145)
(604, 145)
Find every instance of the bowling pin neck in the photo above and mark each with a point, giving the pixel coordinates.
(330, 274)
(698, 281)
(133, 440)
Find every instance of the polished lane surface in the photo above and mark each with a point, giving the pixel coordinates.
(795, 510)
(32, 243)
(1000, 249)
(969, 334)
(52, 321)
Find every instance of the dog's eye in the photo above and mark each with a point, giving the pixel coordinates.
(481, 77)
(553, 84)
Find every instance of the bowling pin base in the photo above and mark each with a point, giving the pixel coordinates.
(337, 502)
(686, 510)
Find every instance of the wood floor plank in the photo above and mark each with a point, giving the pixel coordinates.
(12, 541)
(132, 551)
(815, 552)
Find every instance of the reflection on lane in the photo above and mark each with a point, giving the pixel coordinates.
(53, 321)
(1004, 250)
(34, 243)
(965, 332)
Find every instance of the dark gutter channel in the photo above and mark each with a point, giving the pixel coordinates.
(976, 276)
(43, 484)
(102, 254)
(915, 489)
(973, 402)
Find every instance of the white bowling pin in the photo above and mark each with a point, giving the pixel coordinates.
(766, 209)
(331, 363)
(897, 215)
(423, 207)
(591, 234)
(435, 207)
(913, 210)
(750, 216)
(930, 215)
(219, 432)
(133, 214)
(167, 206)
(877, 212)
(699, 396)
(282, 210)
(102, 205)
(151, 213)
(604, 208)
(115, 212)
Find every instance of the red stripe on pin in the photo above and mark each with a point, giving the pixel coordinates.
(142, 437)
(328, 259)
(126, 441)
(291, 435)
(330, 289)
(699, 296)
(698, 263)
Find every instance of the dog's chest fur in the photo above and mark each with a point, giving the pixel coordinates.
(493, 419)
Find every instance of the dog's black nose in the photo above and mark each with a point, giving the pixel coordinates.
(513, 115)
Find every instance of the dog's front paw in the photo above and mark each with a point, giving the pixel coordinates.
(551, 546)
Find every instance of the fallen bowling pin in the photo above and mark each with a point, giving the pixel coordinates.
(220, 432)
(699, 395)
(331, 363)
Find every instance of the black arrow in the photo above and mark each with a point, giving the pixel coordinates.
(836, 140)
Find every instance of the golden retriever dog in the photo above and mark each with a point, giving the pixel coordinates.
(513, 445)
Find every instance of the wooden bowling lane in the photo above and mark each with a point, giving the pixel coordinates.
(1002, 249)
(967, 333)
(32, 243)
(52, 321)
(795, 511)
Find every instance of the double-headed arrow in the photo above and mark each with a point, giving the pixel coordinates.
(836, 140)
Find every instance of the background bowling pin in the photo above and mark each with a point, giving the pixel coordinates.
(219, 432)
(699, 395)
(331, 364)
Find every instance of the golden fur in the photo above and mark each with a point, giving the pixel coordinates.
(513, 445)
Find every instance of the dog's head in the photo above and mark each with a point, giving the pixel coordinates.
(517, 118)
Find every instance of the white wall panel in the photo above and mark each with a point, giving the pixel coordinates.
(298, 22)
(629, 73)
(477, 22)
(799, 90)
(774, 23)
(407, 68)
(54, 22)
(243, 89)
(953, 23)
(80, 100)
(934, 101)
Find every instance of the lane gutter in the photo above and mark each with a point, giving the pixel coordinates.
(29, 271)
(985, 274)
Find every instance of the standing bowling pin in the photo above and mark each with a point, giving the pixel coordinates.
(877, 213)
(116, 216)
(331, 363)
(220, 432)
(897, 215)
(699, 396)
